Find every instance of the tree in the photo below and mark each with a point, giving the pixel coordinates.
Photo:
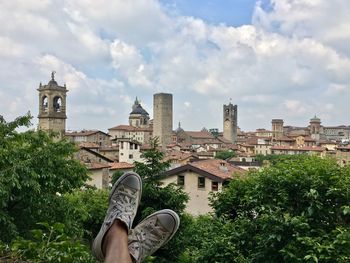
(34, 172)
(295, 211)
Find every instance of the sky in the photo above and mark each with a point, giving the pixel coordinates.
(287, 59)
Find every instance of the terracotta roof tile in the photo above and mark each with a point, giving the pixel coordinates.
(121, 165)
(84, 133)
(294, 148)
(200, 134)
(130, 128)
(97, 166)
(218, 168)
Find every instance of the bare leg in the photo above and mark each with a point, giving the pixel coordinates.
(115, 244)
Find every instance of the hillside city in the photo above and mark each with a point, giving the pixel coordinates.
(174, 131)
(192, 154)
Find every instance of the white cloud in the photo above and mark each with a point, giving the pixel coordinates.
(293, 61)
(9, 48)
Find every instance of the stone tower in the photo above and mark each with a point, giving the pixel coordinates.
(52, 107)
(315, 128)
(230, 122)
(163, 118)
(277, 128)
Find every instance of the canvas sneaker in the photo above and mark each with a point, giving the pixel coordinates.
(152, 233)
(124, 200)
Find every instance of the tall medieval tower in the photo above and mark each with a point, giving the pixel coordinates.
(52, 107)
(277, 128)
(230, 122)
(163, 118)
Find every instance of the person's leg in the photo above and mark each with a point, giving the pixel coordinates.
(115, 244)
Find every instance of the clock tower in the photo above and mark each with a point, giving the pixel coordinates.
(230, 122)
(52, 107)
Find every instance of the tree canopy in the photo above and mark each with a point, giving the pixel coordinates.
(34, 171)
(295, 211)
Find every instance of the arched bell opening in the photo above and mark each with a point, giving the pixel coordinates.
(57, 104)
(45, 104)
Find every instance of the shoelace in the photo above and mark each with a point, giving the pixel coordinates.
(124, 207)
(147, 239)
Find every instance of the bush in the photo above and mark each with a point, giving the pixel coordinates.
(49, 244)
(294, 211)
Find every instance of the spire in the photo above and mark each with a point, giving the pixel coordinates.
(53, 75)
(53, 82)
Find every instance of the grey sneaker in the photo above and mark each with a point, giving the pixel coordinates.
(152, 233)
(123, 203)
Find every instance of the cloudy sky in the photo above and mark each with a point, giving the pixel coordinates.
(285, 59)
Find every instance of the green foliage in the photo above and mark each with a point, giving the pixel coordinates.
(224, 155)
(152, 170)
(209, 242)
(49, 244)
(89, 210)
(155, 197)
(115, 176)
(272, 159)
(33, 170)
(294, 211)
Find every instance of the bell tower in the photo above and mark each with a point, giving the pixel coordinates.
(52, 107)
(230, 122)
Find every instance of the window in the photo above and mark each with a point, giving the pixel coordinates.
(214, 186)
(130, 156)
(201, 182)
(180, 180)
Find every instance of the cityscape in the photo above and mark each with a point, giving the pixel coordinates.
(174, 131)
(124, 144)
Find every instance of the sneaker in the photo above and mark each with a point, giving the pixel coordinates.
(123, 203)
(152, 233)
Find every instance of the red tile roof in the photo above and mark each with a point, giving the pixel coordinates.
(121, 165)
(84, 133)
(97, 166)
(175, 155)
(200, 134)
(130, 128)
(294, 148)
(218, 168)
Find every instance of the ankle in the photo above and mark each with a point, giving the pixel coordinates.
(118, 231)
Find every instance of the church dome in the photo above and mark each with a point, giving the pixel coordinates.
(137, 109)
(52, 83)
(315, 119)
